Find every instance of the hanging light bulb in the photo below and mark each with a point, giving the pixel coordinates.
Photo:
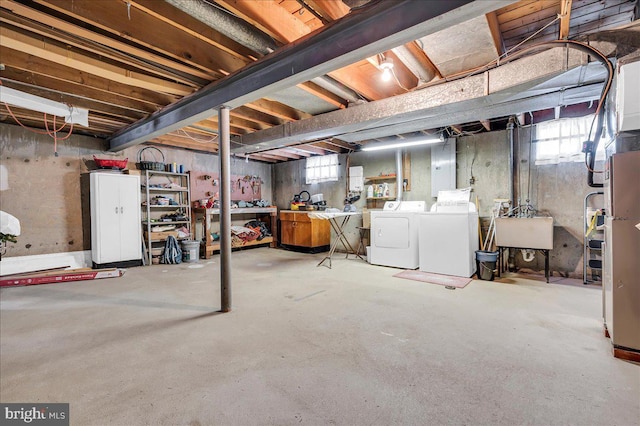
(387, 67)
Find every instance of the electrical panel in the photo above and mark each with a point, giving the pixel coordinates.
(443, 166)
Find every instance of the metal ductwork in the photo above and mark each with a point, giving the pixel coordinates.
(337, 88)
(406, 57)
(227, 24)
(241, 32)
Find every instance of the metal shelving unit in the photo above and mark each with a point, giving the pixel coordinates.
(174, 186)
(592, 259)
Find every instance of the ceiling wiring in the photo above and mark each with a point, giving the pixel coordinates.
(53, 133)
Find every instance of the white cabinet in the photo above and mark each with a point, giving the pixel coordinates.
(115, 219)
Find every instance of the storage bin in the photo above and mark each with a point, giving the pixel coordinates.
(486, 264)
(190, 251)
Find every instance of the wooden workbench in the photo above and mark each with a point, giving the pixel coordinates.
(260, 213)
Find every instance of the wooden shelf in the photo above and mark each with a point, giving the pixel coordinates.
(174, 206)
(216, 246)
(380, 178)
(381, 198)
(260, 213)
(152, 189)
(246, 210)
(160, 222)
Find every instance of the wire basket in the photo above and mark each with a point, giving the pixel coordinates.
(150, 165)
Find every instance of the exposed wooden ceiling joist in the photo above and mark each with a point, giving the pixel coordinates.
(404, 21)
(81, 33)
(565, 18)
(64, 55)
(146, 30)
(75, 94)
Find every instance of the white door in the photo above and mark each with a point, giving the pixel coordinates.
(106, 238)
(129, 204)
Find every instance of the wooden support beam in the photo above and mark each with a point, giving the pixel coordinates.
(262, 118)
(486, 124)
(329, 9)
(277, 109)
(323, 94)
(273, 156)
(456, 128)
(565, 18)
(406, 170)
(310, 149)
(496, 34)
(341, 144)
(166, 140)
(212, 124)
(328, 147)
(257, 157)
(284, 153)
(300, 152)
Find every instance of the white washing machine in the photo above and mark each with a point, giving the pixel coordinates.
(394, 234)
(449, 240)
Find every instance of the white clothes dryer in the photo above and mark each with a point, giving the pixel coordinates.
(394, 234)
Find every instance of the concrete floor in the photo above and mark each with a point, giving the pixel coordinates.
(351, 345)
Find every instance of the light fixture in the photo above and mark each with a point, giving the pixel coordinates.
(20, 99)
(387, 69)
(404, 143)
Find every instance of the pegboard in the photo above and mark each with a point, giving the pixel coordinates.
(243, 187)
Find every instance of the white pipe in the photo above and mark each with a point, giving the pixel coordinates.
(399, 177)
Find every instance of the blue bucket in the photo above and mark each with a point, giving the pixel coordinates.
(486, 264)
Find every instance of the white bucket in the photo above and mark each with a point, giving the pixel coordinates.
(190, 251)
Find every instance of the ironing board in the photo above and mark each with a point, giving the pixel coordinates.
(338, 226)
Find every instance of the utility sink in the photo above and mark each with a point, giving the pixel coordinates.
(525, 232)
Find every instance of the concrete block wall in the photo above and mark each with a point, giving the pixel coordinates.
(45, 192)
(558, 190)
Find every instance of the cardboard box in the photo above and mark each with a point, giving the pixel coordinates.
(133, 172)
(161, 235)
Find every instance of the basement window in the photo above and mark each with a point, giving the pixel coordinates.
(560, 141)
(322, 168)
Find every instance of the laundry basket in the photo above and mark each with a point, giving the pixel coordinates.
(150, 165)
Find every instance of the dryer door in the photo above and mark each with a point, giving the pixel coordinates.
(391, 232)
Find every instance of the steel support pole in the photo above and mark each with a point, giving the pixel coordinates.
(224, 150)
